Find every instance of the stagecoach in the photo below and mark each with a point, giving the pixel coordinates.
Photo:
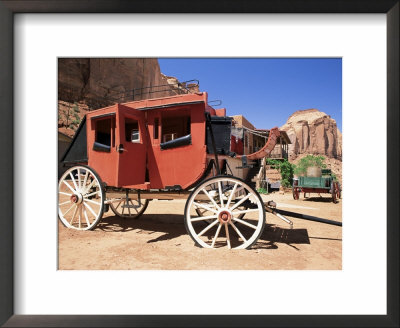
(176, 147)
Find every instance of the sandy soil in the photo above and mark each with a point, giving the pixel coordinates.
(158, 240)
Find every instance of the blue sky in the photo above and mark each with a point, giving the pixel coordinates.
(265, 90)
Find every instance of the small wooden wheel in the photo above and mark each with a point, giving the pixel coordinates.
(333, 192)
(220, 197)
(296, 193)
(80, 198)
(338, 191)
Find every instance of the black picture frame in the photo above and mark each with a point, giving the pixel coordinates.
(7, 11)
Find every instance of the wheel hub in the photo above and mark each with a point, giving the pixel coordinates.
(76, 198)
(224, 217)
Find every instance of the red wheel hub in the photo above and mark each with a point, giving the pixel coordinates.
(224, 217)
(77, 198)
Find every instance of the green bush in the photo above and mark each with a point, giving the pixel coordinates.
(306, 162)
(286, 170)
(262, 191)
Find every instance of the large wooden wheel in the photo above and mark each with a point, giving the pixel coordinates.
(80, 198)
(129, 208)
(221, 223)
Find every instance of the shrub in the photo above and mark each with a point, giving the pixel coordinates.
(262, 191)
(306, 162)
(285, 169)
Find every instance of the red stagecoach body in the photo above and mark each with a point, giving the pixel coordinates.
(155, 143)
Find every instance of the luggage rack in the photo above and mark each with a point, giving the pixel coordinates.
(182, 88)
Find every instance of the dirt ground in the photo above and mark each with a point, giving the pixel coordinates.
(158, 240)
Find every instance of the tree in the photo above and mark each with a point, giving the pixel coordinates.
(308, 161)
(285, 169)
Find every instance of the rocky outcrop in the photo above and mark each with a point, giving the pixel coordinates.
(103, 81)
(313, 132)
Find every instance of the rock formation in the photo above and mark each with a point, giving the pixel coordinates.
(103, 81)
(313, 132)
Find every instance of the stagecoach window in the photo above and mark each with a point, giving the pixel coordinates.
(103, 132)
(174, 127)
(132, 130)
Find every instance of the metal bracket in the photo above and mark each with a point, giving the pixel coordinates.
(245, 164)
(271, 208)
(126, 205)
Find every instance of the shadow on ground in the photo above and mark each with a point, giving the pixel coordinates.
(317, 199)
(172, 226)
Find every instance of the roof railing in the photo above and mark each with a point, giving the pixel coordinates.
(181, 87)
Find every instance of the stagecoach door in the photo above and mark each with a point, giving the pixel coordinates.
(131, 147)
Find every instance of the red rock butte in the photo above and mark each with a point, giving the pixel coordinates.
(312, 131)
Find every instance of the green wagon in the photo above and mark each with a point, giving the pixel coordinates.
(323, 184)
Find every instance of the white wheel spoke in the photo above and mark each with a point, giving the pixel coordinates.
(92, 194)
(85, 179)
(80, 215)
(231, 195)
(67, 184)
(67, 202)
(216, 235)
(73, 180)
(238, 232)
(238, 190)
(208, 228)
(220, 194)
(79, 178)
(91, 201)
(86, 217)
(205, 207)
(69, 209)
(90, 186)
(202, 218)
(212, 200)
(73, 216)
(228, 239)
(240, 202)
(64, 193)
(246, 211)
(90, 209)
(245, 223)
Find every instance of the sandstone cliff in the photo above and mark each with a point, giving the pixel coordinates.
(313, 132)
(100, 82)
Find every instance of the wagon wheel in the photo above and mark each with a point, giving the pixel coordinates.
(221, 197)
(80, 198)
(131, 209)
(338, 191)
(296, 193)
(333, 192)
